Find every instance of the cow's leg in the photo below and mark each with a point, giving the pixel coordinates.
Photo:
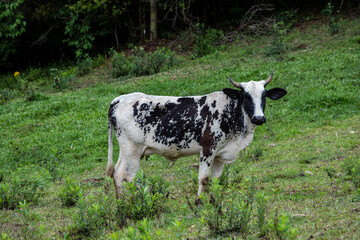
(217, 168)
(204, 174)
(127, 166)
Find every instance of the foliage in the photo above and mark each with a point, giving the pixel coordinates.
(12, 25)
(141, 231)
(227, 210)
(206, 41)
(27, 183)
(144, 198)
(84, 66)
(261, 207)
(79, 35)
(332, 20)
(351, 166)
(89, 218)
(143, 63)
(70, 193)
(277, 46)
(281, 226)
(31, 228)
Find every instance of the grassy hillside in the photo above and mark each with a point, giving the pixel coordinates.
(305, 159)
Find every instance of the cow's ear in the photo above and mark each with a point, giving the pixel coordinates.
(232, 93)
(276, 93)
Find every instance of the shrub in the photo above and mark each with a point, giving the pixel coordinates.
(84, 66)
(89, 218)
(261, 207)
(281, 227)
(61, 78)
(227, 211)
(70, 193)
(142, 198)
(121, 65)
(206, 41)
(98, 61)
(25, 184)
(30, 223)
(140, 232)
(143, 63)
(332, 21)
(277, 45)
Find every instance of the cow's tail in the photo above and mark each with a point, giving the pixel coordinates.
(110, 164)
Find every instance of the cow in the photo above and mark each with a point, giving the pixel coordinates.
(216, 126)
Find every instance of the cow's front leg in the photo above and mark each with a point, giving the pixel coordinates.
(204, 174)
(217, 168)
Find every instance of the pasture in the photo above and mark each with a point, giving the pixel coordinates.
(304, 161)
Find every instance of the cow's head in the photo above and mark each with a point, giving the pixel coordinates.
(253, 95)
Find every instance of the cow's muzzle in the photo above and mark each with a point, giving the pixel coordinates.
(258, 120)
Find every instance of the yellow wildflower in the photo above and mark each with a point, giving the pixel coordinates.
(16, 74)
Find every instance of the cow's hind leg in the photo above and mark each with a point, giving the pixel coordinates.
(127, 166)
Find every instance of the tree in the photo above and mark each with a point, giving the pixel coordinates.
(153, 20)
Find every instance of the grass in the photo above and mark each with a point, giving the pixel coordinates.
(310, 130)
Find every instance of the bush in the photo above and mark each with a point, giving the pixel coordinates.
(25, 184)
(84, 66)
(281, 227)
(30, 223)
(332, 21)
(142, 198)
(227, 210)
(277, 45)
(142, 63)
(121, 65)
(206, 41)
(70, 193)
(89, 218)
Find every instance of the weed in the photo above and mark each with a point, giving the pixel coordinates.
(70, 193)
(261, 207)
(144, 197)
(180, 229)
(277, 46)
(27, 183)
(84, 66)
(351, 167)
(226, 211)
(33, 95)
(141, 231)
(281, 227)
(89, 218)
(30, 223)
(98, 61)
(333, 24)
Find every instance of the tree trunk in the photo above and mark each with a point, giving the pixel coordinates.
(153, 20)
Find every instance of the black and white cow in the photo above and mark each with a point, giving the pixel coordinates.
(216, 126)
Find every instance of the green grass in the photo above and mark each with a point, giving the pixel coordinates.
(314, 128)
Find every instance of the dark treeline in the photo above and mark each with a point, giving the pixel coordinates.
(38, 32)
